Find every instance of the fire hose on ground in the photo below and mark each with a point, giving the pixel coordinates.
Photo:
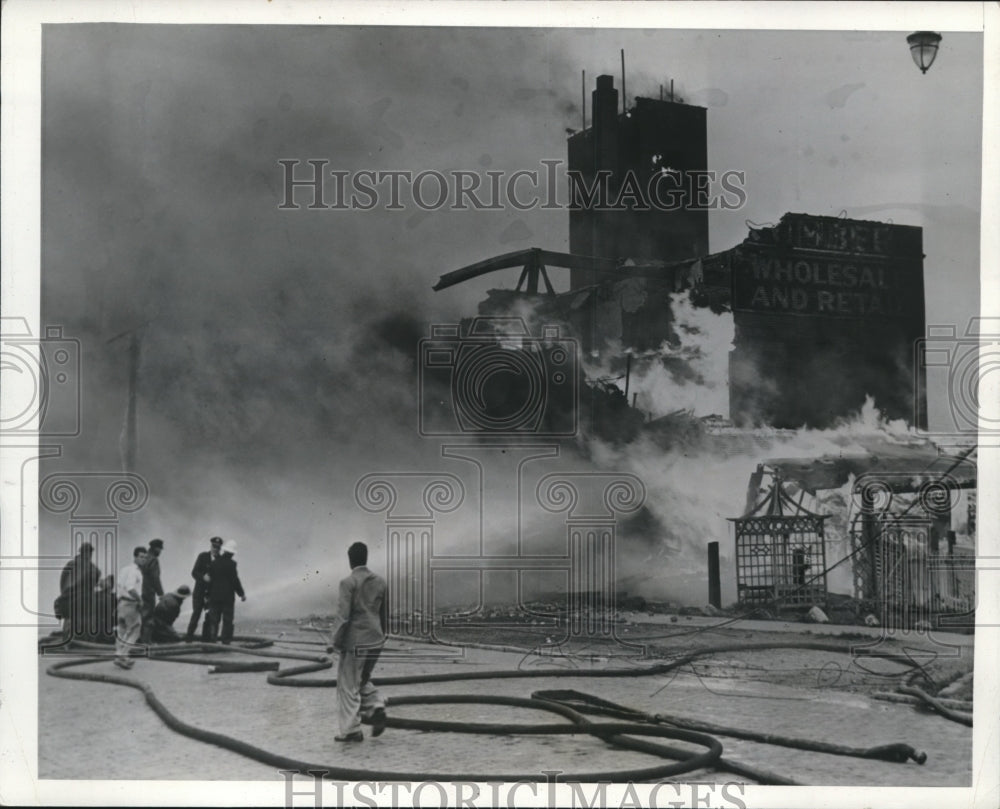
(571, 705)
(947, 713)
(910, 688)
(609, 731)
(587, 703)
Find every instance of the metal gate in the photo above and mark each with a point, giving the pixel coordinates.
(780, 558)
(908, 583)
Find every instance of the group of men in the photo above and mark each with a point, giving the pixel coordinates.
(216, 585)
(134, 609)
(362, 616)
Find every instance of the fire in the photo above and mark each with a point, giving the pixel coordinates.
(690, 373)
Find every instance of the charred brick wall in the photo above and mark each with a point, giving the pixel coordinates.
(641, 213)
(827, 311)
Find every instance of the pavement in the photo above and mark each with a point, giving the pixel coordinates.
(750, 625)
(77, 740)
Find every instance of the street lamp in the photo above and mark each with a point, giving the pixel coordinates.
(923, 48)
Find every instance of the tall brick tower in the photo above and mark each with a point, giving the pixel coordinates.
(654, 138)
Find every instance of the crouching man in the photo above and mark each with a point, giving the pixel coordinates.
(362, 611)
(165, 613)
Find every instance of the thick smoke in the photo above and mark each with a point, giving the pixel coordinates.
(278, 356)
(278, 349)
(693, 490)
(695, 468)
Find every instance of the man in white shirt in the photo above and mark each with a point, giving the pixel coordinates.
(129, 586)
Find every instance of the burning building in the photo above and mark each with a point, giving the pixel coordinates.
(655, 147)
(826, 310)
(825, 313)
(907, 528)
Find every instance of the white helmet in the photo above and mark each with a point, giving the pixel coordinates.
(229, 546)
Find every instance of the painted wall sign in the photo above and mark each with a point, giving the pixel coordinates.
(766, 281)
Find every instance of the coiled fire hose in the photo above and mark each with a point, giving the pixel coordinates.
(568, 706)
(609, 731)
(586, 703)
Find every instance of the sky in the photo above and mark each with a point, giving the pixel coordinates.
(278, 346)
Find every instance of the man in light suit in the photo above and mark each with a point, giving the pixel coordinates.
(362, 610)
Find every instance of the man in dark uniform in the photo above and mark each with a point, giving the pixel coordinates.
(107, 618)
(201, 578)
(76, 602)
(166, 612)
(222, 591)
(151, 588)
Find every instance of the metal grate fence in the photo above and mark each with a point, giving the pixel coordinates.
(781, 560)
(909, 584)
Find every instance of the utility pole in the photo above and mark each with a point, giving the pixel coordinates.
(128, 439)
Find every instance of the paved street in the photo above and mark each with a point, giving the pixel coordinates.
(736, 689)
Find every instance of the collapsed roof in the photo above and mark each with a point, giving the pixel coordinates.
(901, 467)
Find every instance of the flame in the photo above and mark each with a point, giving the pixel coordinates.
(689, 373)
(694, 490)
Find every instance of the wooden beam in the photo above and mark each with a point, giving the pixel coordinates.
(524, 274)
(545, 278)
(521, 257)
